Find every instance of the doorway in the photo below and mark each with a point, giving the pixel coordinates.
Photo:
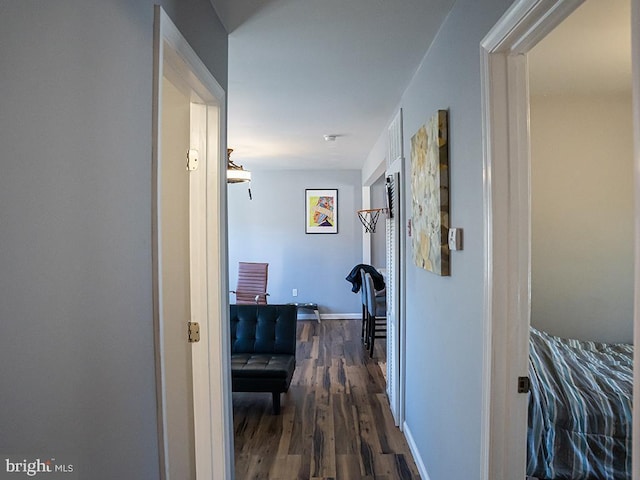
(507, 232)
(383, 189)
(582, 238)
(189, 262)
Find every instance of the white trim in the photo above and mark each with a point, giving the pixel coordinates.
(422, 470)
(398, 316)
(330, 316)
(212, 384)
(377, 172)
(182, 57)
(156, 248)
(635, 65)
(198, 286)
(507, 224)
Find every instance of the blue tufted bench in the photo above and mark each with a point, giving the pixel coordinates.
(263, 349)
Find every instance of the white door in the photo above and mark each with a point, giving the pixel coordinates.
(395, 272)
(395, 332)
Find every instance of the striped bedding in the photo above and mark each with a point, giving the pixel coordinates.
(579, 409)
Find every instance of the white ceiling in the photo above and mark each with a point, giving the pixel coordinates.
(301, 69)
(589, 52)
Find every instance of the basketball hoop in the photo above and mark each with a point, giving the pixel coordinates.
(369, 218)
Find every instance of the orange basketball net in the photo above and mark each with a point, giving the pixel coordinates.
(369, 218)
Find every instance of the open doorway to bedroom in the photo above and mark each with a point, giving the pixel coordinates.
(582, 246)
(508, 229)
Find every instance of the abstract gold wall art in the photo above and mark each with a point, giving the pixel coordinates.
(430, 194)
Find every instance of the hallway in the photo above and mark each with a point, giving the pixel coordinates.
(335, 420)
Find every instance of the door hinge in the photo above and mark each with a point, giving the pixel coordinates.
(194, 332)
(524, 385)
(192, 160)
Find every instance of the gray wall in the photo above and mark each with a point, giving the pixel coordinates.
(379, 237)
(270, 228)
(444, 351)
(582, 216)
(76, 321)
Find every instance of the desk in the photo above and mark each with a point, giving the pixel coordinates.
(307, 306)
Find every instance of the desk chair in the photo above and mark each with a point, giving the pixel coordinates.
(252, 283)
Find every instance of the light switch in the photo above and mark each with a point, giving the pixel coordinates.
(455, 239)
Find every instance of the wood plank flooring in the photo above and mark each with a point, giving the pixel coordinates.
(335, 421)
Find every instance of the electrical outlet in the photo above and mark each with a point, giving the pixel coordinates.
(294, 292)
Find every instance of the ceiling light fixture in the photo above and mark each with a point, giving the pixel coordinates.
(236, 173)
(330, 138)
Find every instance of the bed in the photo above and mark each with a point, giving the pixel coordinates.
(579, 409)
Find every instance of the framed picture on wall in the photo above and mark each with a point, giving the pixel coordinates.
(321, 210)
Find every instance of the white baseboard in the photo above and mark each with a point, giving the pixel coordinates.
(422, 470)
(330, 316)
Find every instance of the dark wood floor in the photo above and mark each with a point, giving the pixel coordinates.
(335, 421)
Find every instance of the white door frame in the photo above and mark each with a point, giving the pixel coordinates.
(635, 66)
(506, 208)
(208, 248)
(396, 367)
(507, 227)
